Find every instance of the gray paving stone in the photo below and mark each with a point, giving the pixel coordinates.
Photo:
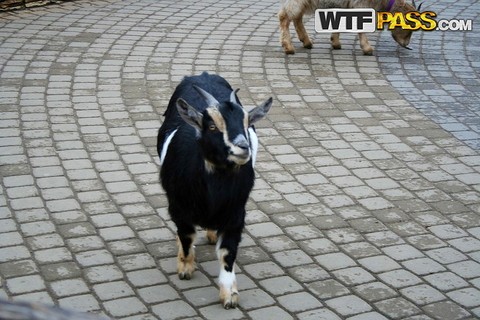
(334, 261)
(399, 278)
(298, 302)
(124, 307)
(353, 276)
(423, 266)
(375, 291)
(255, 298)
(446, 309)
(25, 284)
(270, 313)
(348, 305)
(81, 303)
(446, 281)
(422, 294)
(217, 312)
(69, 287)
(322, 313)
(173, 310)
(397, 307)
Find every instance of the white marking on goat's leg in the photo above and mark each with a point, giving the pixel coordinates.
(335, 39)
(227, 280)
(285, 37)
(302, 33)
(365, 45)
(228, 289)
(186, 263)
(212, 236)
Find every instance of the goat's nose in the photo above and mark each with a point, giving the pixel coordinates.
(242, 145)
(241, 142)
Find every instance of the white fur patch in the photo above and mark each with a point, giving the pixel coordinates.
(227, 279)
(169, 138)
(253, 144)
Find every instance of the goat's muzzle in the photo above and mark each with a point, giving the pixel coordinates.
(240, 151)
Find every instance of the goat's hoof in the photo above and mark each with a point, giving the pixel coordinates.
(368, 52)
(185, 271)
(231, 302)
(308, 45)
(184, 275)
(288, 48)
(336, 46)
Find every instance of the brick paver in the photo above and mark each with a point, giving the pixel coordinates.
(367, 199)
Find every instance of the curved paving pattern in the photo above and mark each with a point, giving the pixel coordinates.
(364, 207)
(440, 77)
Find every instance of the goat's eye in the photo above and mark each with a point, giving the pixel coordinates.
(212, 127)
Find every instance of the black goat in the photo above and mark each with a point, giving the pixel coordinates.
(207, 148)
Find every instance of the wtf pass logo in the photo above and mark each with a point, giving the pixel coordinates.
(368, 20)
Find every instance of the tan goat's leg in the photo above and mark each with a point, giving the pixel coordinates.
(335, 39)
(301, 32)
(285, 38)
(365, 45)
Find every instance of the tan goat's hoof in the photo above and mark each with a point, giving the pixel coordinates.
(308, 45)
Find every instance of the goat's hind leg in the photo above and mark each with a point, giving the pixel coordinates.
(227, 246)
(302, 33)
(335, 39)
(186, 253)
(212, 236)
(365, 45)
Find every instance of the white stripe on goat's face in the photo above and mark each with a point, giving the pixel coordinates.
(231, 121)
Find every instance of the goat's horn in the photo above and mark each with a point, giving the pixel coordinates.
(415, 5)
(233, 97)
(209, 99)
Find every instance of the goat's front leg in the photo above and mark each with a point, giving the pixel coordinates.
(186, 252)
(285, 38)
(302, 33)
(227, 246)
(335, 39)
(365, 45)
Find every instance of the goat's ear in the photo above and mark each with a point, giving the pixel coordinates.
(259, 112)
(189, 114)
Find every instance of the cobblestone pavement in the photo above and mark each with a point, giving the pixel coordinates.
(367, 199)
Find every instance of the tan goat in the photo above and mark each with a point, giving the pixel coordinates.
(294, 10)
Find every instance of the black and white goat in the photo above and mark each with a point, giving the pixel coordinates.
(207, 147)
